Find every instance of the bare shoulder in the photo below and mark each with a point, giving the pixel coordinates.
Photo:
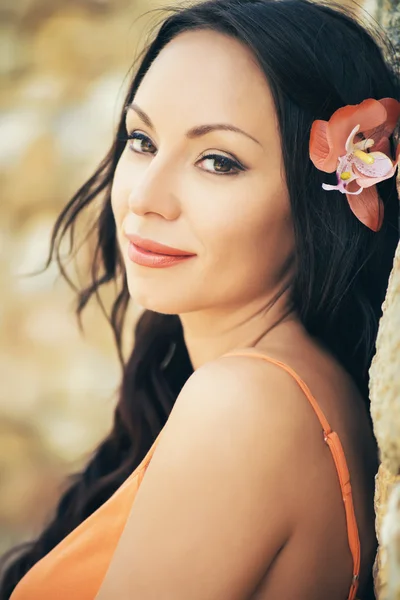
(251, 399)
(253, 414)
(226, 459)
(283, 424)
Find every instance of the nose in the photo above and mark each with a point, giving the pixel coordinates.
(153, 191)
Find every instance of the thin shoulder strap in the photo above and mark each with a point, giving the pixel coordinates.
(331, 438)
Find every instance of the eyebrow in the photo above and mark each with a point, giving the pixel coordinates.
(194, 132)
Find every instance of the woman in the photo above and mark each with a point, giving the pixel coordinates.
(247, 386)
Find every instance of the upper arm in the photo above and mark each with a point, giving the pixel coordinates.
(214, 507)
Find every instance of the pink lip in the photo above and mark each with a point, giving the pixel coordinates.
(155, 247)
(149, 259)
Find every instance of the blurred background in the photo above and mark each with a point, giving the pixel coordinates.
(63, 73)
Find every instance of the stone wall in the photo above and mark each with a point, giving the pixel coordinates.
(385, 392)
(385, 410)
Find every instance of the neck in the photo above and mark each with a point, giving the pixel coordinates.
(210, 334)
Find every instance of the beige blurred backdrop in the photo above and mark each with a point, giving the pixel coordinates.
(63, 68)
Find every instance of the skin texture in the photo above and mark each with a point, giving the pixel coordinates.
(241, 499)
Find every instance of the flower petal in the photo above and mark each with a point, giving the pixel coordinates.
(384, 131)
(353, 189)
(381, 166)
(364, 144)
(349, 145)
(328, 187)
(367, 207)
(366, 182)
(345, 164)
(320, 149)
(369, 114)
(392, 107)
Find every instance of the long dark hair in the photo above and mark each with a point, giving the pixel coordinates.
(316, 59)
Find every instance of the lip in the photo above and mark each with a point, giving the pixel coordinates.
(155, 247)
(151, 259)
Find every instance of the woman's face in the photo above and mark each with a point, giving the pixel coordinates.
(232, 211)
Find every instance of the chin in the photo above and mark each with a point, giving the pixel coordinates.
(172, 303)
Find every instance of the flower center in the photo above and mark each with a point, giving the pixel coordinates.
(366, 158)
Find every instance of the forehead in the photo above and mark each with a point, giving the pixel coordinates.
(206, 76)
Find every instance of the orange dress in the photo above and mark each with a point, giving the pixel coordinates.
(76, 567)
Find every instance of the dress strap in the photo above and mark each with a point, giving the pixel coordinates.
(331, 438)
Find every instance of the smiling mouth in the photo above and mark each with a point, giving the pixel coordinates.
(147, 258)
(153, 252)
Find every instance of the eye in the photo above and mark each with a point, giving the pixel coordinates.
(136, 144)
(222, 164)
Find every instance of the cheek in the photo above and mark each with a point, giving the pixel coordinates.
(119, 193)
(248, 243)
(247, 221)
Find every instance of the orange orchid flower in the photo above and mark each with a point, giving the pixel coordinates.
(343, 144)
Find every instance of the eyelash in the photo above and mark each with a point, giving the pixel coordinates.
(135, 135)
